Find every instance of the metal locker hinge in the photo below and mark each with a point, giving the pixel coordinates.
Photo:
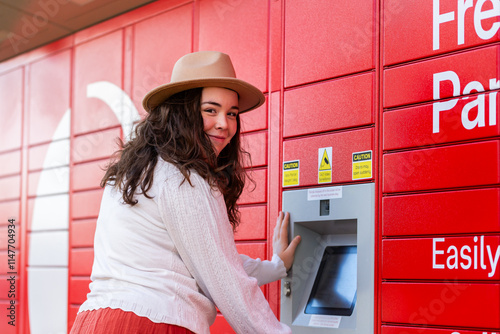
(288, 289)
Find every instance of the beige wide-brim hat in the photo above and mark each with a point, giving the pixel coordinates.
(205, 69)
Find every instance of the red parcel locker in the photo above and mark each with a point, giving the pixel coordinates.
(442, 213)
(305, 107)
(440, 169)
(455, 75)
(474, 164)
(327, 39)
(439, 26)
(450, 303)
(415, 83)
(441, 257)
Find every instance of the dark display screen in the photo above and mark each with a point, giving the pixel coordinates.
(335, 286)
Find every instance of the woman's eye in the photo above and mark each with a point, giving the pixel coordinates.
(233, 114)
(210, 110)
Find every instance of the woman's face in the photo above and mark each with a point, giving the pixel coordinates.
(219, 109)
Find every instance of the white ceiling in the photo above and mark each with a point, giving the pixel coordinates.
(28, 24)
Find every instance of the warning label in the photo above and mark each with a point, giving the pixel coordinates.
(291, 173)
(325, 161)
(324, 165)
(362, 165)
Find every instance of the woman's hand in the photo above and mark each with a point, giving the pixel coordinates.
(285, 251)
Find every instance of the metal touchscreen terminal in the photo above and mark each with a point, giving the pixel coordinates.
(330, 287)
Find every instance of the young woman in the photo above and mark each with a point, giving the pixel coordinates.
(164, 249)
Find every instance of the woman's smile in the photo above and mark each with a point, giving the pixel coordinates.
(219, 109)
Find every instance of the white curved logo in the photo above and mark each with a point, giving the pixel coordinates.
(49, 239)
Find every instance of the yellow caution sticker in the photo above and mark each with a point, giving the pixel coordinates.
(291, 173)
(362, 165)
(325, 165)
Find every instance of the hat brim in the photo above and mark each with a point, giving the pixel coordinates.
(250, 97)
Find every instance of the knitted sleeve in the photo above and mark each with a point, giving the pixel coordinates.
(264, 271)
(196, 219)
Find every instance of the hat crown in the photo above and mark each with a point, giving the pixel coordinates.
(205, 69)
(201, 65)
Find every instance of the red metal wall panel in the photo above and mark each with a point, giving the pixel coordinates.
(82, 233)
(33, 179)
(36, 156)
(11, 110)
(88, 175)
(253, 223)
(239, 28)
(470, 211)
(329, 105)
(91, 113)
(473, 164)
(4, 257)
(4, 313)
(81, 261)
(86, 204)
(439, 26)
(255, 120)
(7, 285)
(9, 209)
(97, 145)
(461, 74)
(442, 304)
(255, 192)
(274, 147)
(326, 39)
(48, 77)
(10, 188)
(463, 258)
(276, 40)
(343, 144)
(72, 312)
(78, 289)
(256, 144)
(152, 66)
(9, 236)
(10, 162)
(252, 249)
(428, 125)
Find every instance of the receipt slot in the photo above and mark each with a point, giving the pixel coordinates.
(330, 288)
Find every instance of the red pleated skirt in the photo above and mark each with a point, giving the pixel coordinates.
(116, 321)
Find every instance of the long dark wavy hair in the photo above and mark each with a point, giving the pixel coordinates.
(174, 132)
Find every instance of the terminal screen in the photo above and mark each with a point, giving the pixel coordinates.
(334, 289)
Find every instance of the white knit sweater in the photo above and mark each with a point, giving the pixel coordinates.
(172, 259)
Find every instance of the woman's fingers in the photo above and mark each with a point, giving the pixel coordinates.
(284, 225)
(277, 228)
